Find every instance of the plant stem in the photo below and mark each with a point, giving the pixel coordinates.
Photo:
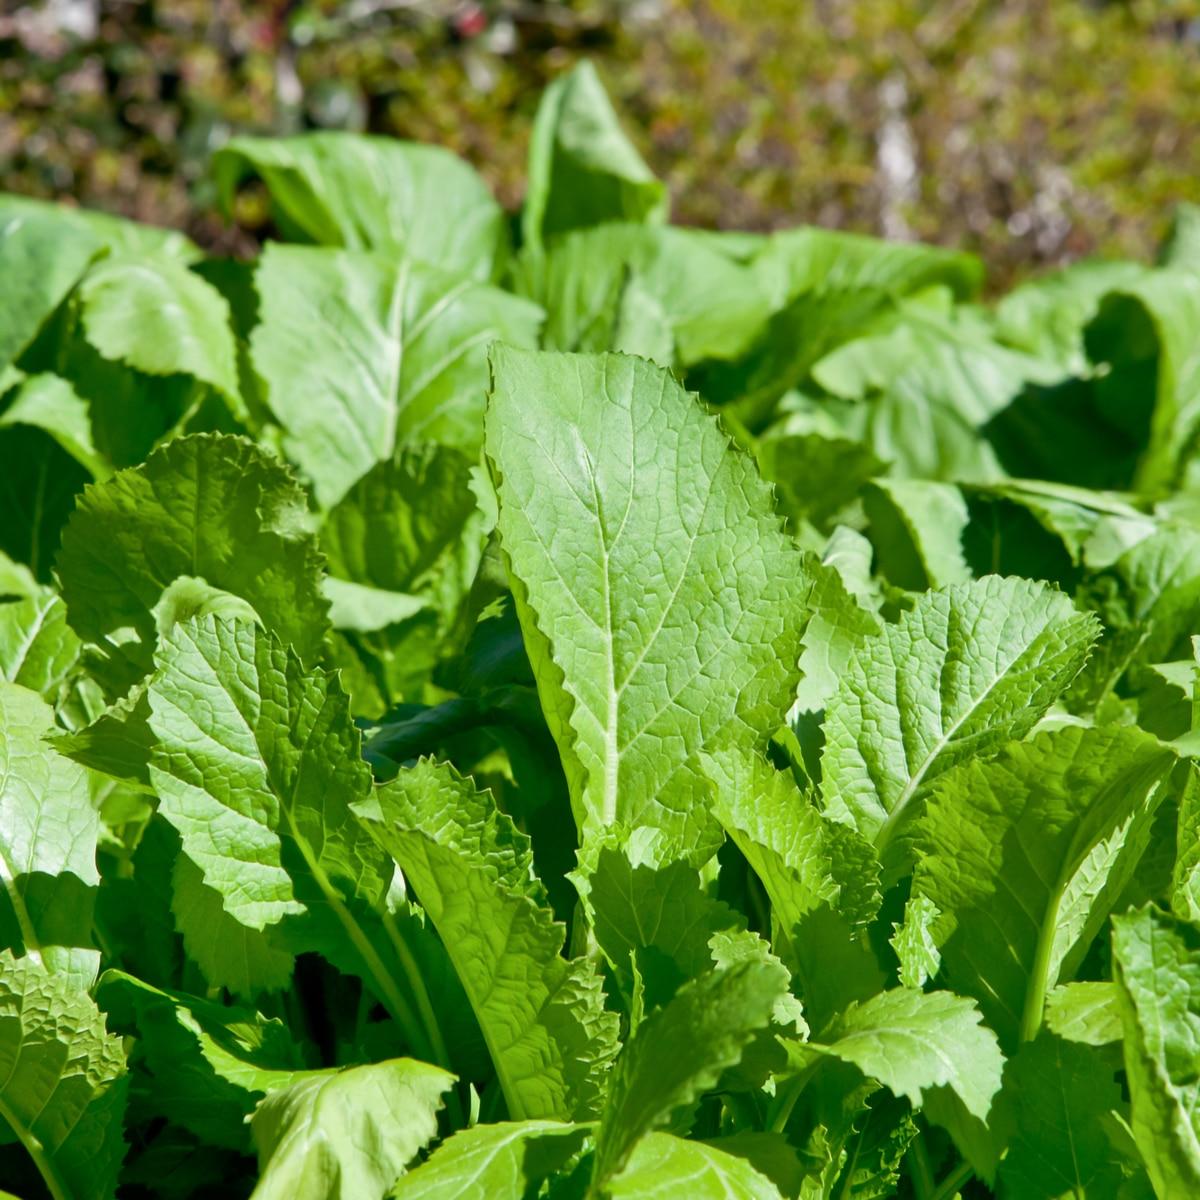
(922, 1171)
(947, 1188)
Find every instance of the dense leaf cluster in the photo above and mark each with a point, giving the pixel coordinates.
(586, 708)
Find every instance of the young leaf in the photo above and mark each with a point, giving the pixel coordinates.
(542, 1016)
(641, 660)
(206, 524)
(362, 354)
(504, 1161)
(48, 832)
(969, 667)
(1157, 970)
(583, 170)
(346, 1135)
(1025, 856)
(63, 1089)
(680, 1052)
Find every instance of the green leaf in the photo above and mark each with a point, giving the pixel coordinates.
(505, 1161)
(680, 1052)
(969, 667)
(660, 1163)
(542, 1016)
(911, 1041)
(38, 650)
(156, 316)
(362, 354)
(583, 170)
(48, 832)
(373, 193)
(621, 286)
(206, 1065)
(41, 258)
(256, 763)
(1063, 1095)
(346, 1135)
(50, 403)
(1025, 856)
(229, 954)
(1157, 971)
(119, 235)
(640, 663)
(917, 528)
(1088, 1013)
(63, 1094)
(206, 524)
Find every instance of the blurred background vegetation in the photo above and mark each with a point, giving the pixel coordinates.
(1031, 131)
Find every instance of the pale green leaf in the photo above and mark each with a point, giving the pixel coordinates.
(657, 594)
(362, 354)
(41, 258)
(156, 316)
(346, 1135)
(367, 193)
(917, 527)
(1087, 1012)
(49, 402)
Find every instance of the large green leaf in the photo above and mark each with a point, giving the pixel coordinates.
(583, 170)
(969, 667)
(346, 1135)
(63, 1090)
(679, 1052)
(502, 1161)
(207, 524)
(370, 193)
(1157, 968)
(542, 1016)
(48, 832)
(363, 354)
(41, 258)
(657, 593)
(1063, 1095)
(1024, 857)
(49, 402)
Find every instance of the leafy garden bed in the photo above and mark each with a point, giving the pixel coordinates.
(440, 758)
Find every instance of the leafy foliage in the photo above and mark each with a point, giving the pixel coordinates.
(434, 758)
